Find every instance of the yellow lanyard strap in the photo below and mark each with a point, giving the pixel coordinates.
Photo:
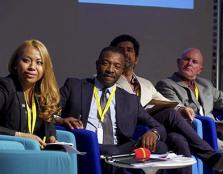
(31, 122)
(102, 114)
(196, 92)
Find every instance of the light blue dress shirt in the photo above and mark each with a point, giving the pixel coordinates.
(94, 123)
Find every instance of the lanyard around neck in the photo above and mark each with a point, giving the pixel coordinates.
(31, 114)
(102, 114)
(196, 92)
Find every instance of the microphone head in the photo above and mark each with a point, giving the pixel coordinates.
(142, 153)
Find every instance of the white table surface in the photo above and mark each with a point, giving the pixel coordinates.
(152, 167)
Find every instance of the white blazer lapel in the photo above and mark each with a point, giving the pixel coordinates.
(146, 94)
(124, 84)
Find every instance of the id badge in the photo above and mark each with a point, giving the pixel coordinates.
(100, 135)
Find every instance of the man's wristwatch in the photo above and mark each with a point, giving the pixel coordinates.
(156, 132)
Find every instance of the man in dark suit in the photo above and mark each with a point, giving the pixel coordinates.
(81, 97)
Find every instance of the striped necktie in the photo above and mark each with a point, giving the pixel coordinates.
(107, 123)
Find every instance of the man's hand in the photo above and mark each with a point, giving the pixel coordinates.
(28, 135)
(187, 112)
(149, 140)
(72, 123)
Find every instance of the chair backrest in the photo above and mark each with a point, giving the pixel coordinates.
(65, 136)
(87, 142)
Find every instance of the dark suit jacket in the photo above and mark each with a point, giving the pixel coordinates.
(76, 99)
(13, 115)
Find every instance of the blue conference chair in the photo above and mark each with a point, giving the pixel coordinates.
(23, 155)
(197, 168)
(209, 127)
(209, 132)
(86, 141)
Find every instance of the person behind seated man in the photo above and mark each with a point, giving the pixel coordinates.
(116, 123)
(138, 85)
(187, 88)
(181, 137)
(29, 95)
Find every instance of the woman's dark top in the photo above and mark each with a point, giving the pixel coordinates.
(13, 114)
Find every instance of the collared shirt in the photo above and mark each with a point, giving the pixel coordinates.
(192, 86)
(190, 83)
(136, 86)
(94, 123)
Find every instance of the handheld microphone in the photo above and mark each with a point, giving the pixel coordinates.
(139, 154)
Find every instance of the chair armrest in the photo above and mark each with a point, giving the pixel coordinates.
(35, 162)
(209, 131)
(28, 143)
(11, 145)
(66, 136)
(197, 125)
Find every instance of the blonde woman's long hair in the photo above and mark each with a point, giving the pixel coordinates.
(46, 89)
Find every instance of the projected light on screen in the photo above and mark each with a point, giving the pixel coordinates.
(183, 4)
